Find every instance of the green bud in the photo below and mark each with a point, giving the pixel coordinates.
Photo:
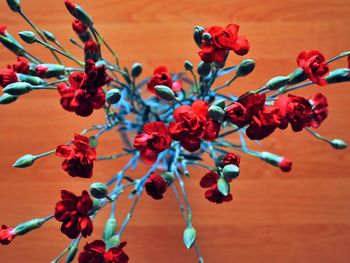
(188, 65)
(338, 144)
(27, 36)
(245, 68)
(51, 70)
(223, 186)
(110, 228)
(18, 88)
(197, 35)
(220, 103)
(270, 158)
(98, 190)
(230, 171)
(165, 92)
(216, 113)
(206, 37)
(277, 82)
(114, 241)
(203, 69)
(297, 76)
(49, 36)
(7, 99)
(136, 70)
(168, 177)
(189, 236)
(93, 141)
(31, 79)
(72, 252)
(338, 75)
(113, 96)
(25, 161)
(14, 5)
(79, 13)
(26, 227)
(11, 44)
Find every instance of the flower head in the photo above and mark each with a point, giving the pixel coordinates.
(161, 76)
(156, 186)
(209, 180)
(7, 76)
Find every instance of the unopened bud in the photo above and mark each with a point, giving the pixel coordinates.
(11, 44)
(18, 88)
(338, 144)
(297, 76)
(338, 75)
(26, 227)
(98, 190)
(50, 70)
(197, 35)
(27, 36)
(165, 92)
(113, 96)
(7, 99)
(72, 252)
(136, 70)
(49, 36)
(216, 113)
(93, 141)
(220, 103)
(223, 186)
(168, 177)
(245, 68)
(189, 236)
(277, 82)
(188, 65)
(110, 228)
(14, 5)
(283, 163)
(230, 171)
(78, 13)
(31, 79)
(114, 241)
(24, 161)
(203, 69)
(206, 37)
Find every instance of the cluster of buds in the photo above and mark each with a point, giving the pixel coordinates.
(181, 118)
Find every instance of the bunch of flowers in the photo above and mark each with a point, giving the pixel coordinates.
(180, 118)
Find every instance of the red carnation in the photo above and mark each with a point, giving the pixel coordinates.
(319, 110)
(161, 76)
(85, 91)
(192, 125)
(79, 157)
(156, 186)
(6, 235)
(263, 124)
(79, 27)
(21, 66)
(95, 252)
(154, 139)
(91, 50)
(298, 110)
(209, 180)
(73, 212)
(222, 41)
(7, 76)
(231, 158)
(314, 65)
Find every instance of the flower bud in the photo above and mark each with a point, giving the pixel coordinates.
(338, 144)
(91, 50)
(7, 99)
(197, 35)
(220, 103)
(188, 65)
(49, 36)
(277, 82)
(230, 171)
(27, 36)
(50, 70)
(24, 161)
(78, 13)
(11, 44)
(26, 227)
(72, 252)
(110, 228)
(203, 69)
(206, 37)
(18, 88)
(297, 76)
(98, 190)
(14, 5)
(165, 92)
(216, 113)
(168, 178)
(245, 68)
(223, 186)
(31, 79)
(113, 96)
(112, 242)
(338, 75)
(93, 141)
(283, 163)
(189, 236)
(136, 70)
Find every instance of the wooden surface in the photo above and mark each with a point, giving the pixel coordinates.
(303, 216)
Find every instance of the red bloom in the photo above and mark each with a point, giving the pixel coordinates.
(85, 91)
(156, 186)
(154, 139)
(7, 76)
(95, 252)
(22, 65)
(298, 110)
(314, 65)
(319, 110)
(79, 27)
(79, 157)
(231, 158)
(192, 124)
(285, 164)
(6, 235)
(263, 124)
(161, 76)
(73, 212)
(209, 180)
(221, 42)
(91, 50)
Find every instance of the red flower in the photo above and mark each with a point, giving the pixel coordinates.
(7, 76)
(221, 42)
(85, 91)
(209, 180)
(231, 158)
(161, 76)
(95, 252)
(3, 30)
(154, 139)
(91, 50)
(285, 164)
(22, 65)
(298, 110)
(6, 235)
(73, 211)
(314, 65)
(263, 124)
(79, 157)
(319, 110)
(79, 27)
(156, 186)
(192, 124)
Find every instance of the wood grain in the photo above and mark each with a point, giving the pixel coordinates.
(303, 216)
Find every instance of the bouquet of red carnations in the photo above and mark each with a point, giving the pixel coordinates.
(168, 121)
